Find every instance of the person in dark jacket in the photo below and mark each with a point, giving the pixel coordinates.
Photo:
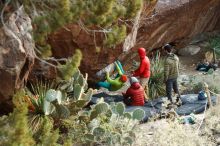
(134, 96)
(171, 72)
(143, 72)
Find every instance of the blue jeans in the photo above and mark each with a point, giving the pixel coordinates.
(172, 84)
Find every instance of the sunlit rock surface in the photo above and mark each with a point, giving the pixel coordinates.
(16, 56)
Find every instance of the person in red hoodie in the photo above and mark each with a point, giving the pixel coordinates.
(143, 72)
(134, 96)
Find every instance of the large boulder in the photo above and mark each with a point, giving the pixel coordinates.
(178, 21)
(172, 21)
(66, 40)
(16, 56)
(189, 50)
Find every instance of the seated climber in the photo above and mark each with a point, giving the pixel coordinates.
(114, 84)
(134, 96)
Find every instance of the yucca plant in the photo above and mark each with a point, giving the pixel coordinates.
(156, 85)
(36, 95)
(57, 102)
(44, 100)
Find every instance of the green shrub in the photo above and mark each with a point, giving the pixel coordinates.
(14, 128)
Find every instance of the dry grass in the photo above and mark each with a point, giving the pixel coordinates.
(212, 124)
(170, 133)
(167, 133)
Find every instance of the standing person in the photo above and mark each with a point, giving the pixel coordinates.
(134, 96)
(143, 72)
(171, 72)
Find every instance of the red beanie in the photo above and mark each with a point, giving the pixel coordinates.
(123, 78)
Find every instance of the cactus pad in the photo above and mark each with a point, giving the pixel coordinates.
(98, 131)
(138, 114)
(127, 115)
(120, 108)
(101, 107)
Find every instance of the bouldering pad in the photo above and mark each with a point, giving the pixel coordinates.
(190, 104)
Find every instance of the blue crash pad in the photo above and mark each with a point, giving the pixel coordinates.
(107, 98)
(190, 104)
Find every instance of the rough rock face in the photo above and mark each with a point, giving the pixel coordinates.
(176, 20)
(16, 55)
(65, 42)
(189, 50)
(172, 21)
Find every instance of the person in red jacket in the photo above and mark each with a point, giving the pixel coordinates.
(135, 94)
(143, 72)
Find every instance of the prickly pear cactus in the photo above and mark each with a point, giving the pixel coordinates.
(62, 111)
(47, 108)
(101, 107)
(89, 137)
(98, 131)
(78, 94)
(78, 78)
(52, 95)
(48, 102)
(127, 115)
(80, 86)
(120, 108)
(138, 114)
(78, 91)
(94, 114)
(88, 95)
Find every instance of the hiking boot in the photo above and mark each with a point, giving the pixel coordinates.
(178, 102)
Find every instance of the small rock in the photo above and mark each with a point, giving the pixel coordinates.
(189, 50)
